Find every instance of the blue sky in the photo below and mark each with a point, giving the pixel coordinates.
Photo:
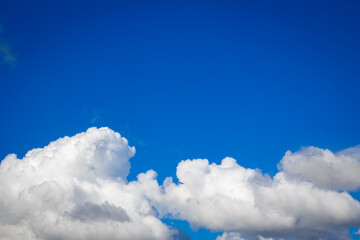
(182, 79)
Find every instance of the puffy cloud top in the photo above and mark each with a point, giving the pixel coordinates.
(325, 169)
(76, 188)
(228, 197)
(98, 153)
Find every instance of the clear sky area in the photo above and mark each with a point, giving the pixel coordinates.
(184, 80)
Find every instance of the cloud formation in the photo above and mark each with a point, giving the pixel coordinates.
(76, 188)
(340, 171)
(228, 197)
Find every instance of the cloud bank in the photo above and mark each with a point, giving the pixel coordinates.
(76, 188)
(228, 197)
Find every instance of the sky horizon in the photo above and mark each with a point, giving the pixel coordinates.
(182, 80)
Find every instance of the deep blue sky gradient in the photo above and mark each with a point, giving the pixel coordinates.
(183, 79)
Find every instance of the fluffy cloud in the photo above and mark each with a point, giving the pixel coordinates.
(238, 236)
(76, 188)
(230, 236)
(228, 197)
(340, 171)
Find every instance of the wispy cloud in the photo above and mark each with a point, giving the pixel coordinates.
(95, 118)
(6, 54)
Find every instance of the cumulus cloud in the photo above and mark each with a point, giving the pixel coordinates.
(339, 171)
(228, 197)
(76, 188)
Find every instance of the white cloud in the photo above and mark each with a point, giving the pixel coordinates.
(76, 188)
(228, 197)
(340, 171)
(230, 236)
(238, 236)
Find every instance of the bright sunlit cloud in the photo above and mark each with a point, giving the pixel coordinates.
(77, 188)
